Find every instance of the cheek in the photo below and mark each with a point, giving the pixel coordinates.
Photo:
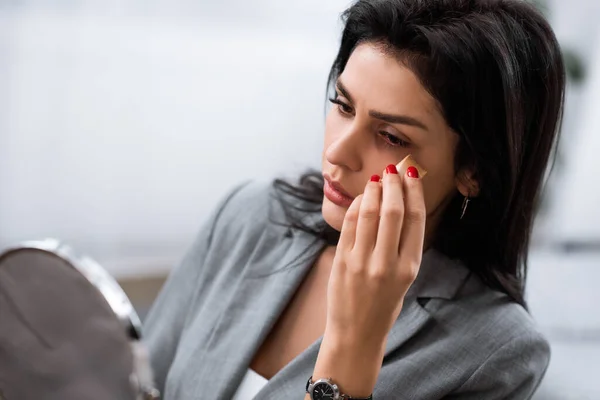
(430, 195)
(438, 157)
(437, 187)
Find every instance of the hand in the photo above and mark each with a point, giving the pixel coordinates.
(377, 258)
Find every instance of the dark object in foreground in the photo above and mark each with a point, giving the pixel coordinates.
(67, 330)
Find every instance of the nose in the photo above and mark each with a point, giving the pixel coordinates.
(344, 149)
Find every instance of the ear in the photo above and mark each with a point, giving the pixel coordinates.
(466, 183)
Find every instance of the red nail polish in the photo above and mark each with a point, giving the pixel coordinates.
(375, 178)
(412, 172)
(391, 169)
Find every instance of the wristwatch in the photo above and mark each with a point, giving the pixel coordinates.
(325, 389)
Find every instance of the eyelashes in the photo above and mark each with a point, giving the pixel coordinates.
(341, 106)
(394, 141)
(388, 139)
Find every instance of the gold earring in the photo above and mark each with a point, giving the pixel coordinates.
(465, 204)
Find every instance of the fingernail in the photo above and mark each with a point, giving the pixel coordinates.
(410, 162)
(391, 169)
(375, 178)
(412, 172)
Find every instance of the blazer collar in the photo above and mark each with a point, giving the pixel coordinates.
(439, 277)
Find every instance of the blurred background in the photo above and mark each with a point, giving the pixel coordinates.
(123, 122)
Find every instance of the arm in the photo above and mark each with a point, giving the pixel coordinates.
(514, 371)
(167, 317)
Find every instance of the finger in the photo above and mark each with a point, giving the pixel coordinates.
(368, 217)
(413, 227)
(348, 232)
(392, 212)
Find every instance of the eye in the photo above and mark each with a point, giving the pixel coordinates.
(393, 141)
(342, 107)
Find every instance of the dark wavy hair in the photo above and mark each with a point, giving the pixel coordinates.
(497, 73)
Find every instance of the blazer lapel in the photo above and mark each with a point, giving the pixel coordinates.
(269, 280)
(439, 278)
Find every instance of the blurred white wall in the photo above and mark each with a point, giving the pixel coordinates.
(119, 132)
(575, 215)
(576, 209)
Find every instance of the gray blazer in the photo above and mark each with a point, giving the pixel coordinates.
(455, 338)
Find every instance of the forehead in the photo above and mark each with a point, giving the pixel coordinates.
(382, 82)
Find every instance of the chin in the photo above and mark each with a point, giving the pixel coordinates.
(333, 214)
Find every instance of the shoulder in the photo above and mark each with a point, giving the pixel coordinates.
(500, 325)
(507, 354)
(513, 355)
(251, 220)
(482, 340)
(467, 308)
(492, 314)
(249, 207)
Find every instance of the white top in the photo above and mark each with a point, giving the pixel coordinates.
(250, 386)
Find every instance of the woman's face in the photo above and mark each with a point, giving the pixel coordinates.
(382, 113)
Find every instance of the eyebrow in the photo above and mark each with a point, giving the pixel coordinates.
(389, 118)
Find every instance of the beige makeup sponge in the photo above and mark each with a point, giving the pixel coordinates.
(408, 161)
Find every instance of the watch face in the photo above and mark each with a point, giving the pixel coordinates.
(323, 391)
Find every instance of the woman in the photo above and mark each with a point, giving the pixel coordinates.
(402, 286)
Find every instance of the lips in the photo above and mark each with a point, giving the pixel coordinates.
(338, 187)
(335, 193)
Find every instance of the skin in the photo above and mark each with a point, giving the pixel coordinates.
(387, 226)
